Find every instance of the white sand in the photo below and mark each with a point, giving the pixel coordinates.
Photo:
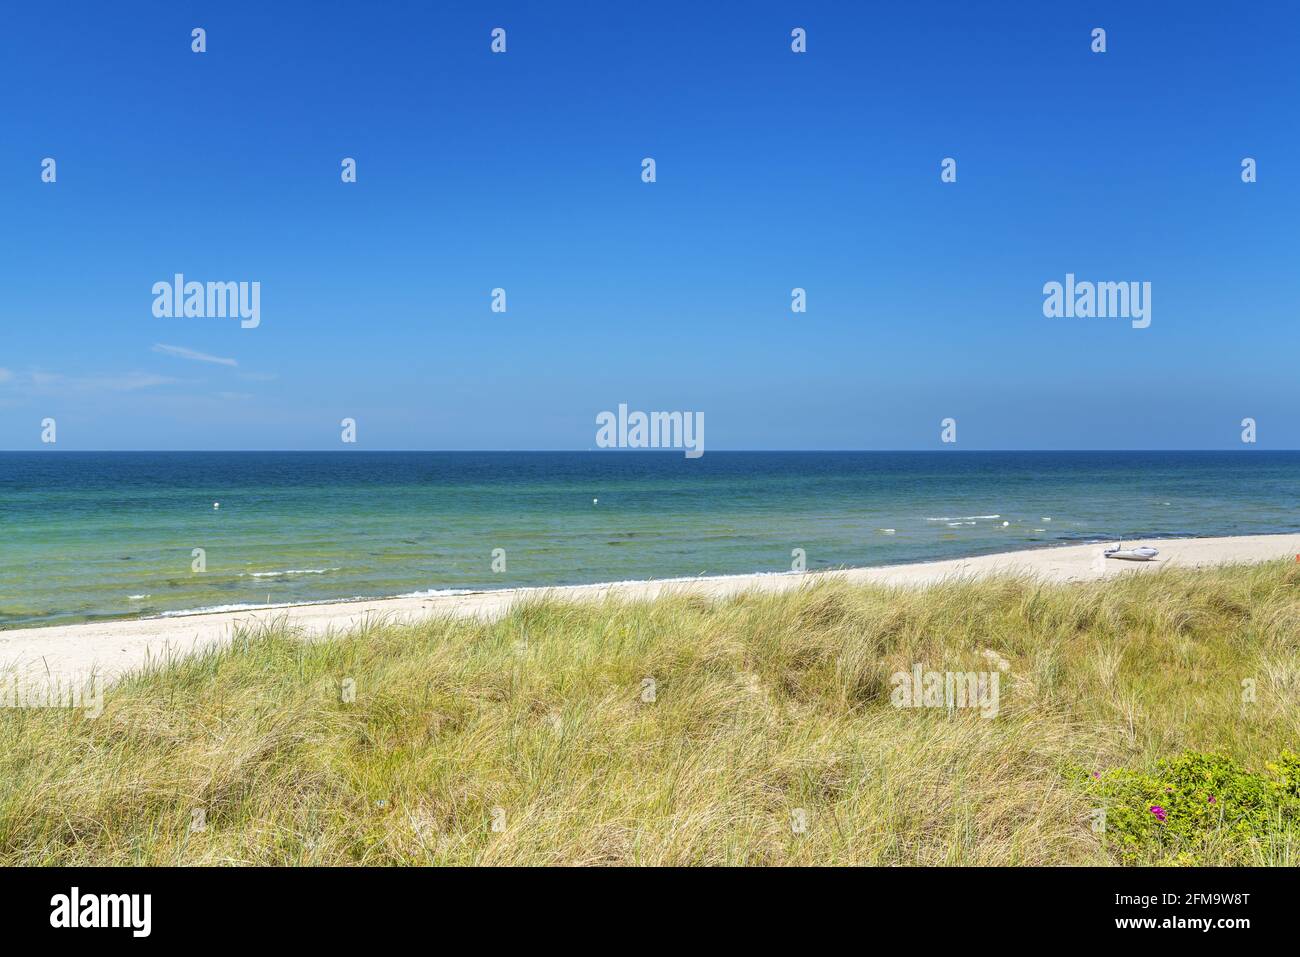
(112, 648)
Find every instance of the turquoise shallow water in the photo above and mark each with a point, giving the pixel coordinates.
(96, 535)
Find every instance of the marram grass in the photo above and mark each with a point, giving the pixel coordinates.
(766, 736)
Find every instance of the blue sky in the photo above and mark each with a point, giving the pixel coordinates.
(775, 170)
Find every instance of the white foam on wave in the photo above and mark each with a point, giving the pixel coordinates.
(960, 518)
(214, 609)
(289, 571)
(436, 592)
(263, 606)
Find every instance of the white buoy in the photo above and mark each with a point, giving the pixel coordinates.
(1005, 524)
(216, 505)
(594, 501)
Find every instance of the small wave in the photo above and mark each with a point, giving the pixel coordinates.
(137, 597)
(289, 571)
(263, 606)
(213, 609)
(436, 592)
(960, 518)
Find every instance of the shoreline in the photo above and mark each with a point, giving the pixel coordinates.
(449, 592)
(112, 648)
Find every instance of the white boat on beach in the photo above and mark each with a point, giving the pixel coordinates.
(1143, 553)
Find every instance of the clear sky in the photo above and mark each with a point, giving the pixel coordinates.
(522, 170)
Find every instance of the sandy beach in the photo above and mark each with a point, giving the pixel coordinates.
(112, 648)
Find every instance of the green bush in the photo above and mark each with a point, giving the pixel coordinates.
(1195, 801)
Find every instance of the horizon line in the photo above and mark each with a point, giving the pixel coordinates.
(663, 451)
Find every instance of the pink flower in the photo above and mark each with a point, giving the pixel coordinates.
(1159, 812)
(1211, 798)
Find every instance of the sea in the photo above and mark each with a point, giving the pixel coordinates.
(88, 536)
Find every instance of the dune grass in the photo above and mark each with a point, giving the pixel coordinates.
(765, 735)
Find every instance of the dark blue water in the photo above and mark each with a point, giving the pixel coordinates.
(90, 535)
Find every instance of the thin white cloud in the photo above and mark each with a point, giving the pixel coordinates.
(181, 352)
(129, 382)
(132, 381)
(5, 375)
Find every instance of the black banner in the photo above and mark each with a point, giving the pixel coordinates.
(335, 906)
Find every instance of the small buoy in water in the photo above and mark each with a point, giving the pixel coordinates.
(1005, 524)
(216, 505)
(594, 501)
